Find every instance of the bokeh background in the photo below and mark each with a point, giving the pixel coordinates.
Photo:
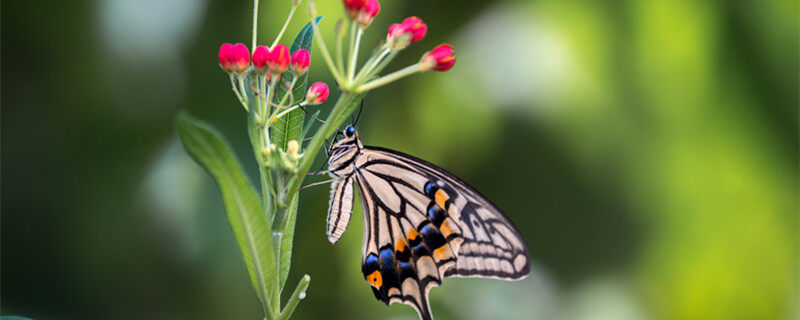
(648, 151)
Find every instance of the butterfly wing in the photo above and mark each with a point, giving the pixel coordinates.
(340, 208)
(423, 224)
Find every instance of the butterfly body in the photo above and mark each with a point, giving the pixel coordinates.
(421, 224)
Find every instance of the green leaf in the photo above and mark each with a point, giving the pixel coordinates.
(242, 204)
(289, 126)
(286, 243)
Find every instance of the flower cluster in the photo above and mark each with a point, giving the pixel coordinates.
(399, 36)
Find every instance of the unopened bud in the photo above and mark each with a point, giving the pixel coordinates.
(317, 93)
(292, 149)
(371, 9)
(439, 59)
(300, 61)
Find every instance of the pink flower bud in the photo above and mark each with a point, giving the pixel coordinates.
(260, 56)
(353, 7)
(300, 61)
(279, 59)
(439, 59)
(234, 58)
(317, 93)
(371, 9)
(411, 30)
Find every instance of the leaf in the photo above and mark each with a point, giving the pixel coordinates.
(286, 243)
(310, 124)
(289, 126)
(242, 204)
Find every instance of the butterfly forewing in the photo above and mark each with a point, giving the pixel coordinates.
(492, 246)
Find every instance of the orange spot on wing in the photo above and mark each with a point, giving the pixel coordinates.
(412, 234)
(375, 279)
(445, 228)
(441, 197)
(401, 245)
(441, 253)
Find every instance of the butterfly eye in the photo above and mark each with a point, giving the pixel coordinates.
(350, 130)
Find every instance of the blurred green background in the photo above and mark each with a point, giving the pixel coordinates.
(647, 150)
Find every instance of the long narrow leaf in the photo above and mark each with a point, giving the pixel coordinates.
(245, 213)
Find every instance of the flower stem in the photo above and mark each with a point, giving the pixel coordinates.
(324, 50)
(414, 68)
(255, 23)
(285, 24)
(354, 54)
(339, 59)
(288, 92)
(238, 95)
(370, 64)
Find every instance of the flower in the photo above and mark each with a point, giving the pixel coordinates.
(234, 58)
(260, 56)
(279, 59)
(300, 61)
(353, 7)
(439, 59)
(411, 30)
(365, 16)
(317, 93)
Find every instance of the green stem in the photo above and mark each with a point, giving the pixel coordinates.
(255, 23)
(284, 112)
(238, 95)
(339, 58)
(288, 91)
(285, 24)
(276, 290)
(354, 54)
(414, 68)
(380, 66)
(241, 89)
(370, 65)
(298, 294)
(325, 54)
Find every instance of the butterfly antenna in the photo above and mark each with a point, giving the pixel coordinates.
(311, 115)
(361, 108)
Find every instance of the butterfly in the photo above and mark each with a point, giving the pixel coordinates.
(421, 224)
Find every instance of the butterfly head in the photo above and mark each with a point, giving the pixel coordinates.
(344, 150)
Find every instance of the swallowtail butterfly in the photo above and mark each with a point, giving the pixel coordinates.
(421, 224)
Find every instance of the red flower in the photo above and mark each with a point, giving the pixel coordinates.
(300, 61)
(353, 7)
(260, 56)
(234, 58)
(439, 59)
(369, 12)
(317, 93)
(279, 59)
(411, 30)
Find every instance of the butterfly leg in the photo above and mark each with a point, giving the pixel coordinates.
(315, 184)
